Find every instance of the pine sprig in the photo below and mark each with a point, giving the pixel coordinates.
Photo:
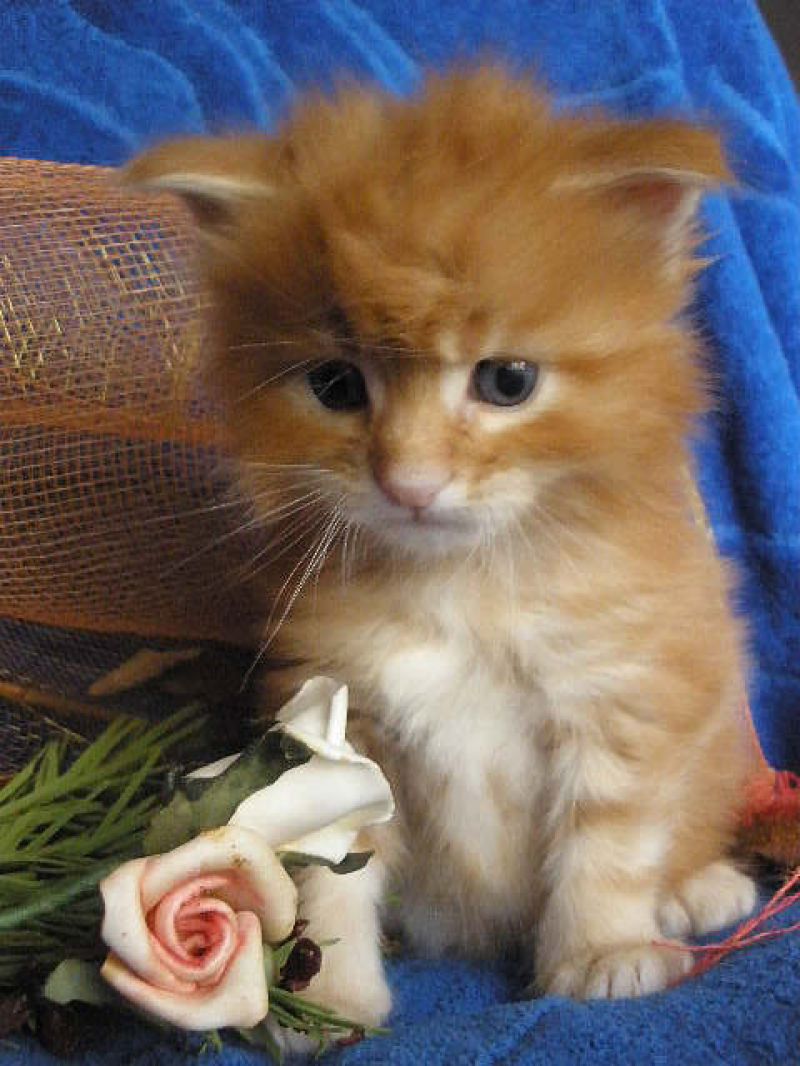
(66, 822)
(320, 1024)
(323, 1027)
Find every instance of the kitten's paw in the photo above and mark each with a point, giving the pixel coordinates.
(717, 896)
(294, 1046)
(620, 974)
(363, 997)
(366, 1004)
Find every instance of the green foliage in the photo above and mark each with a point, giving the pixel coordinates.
(322, 1026)
(205, 803)
(66, 822)
(353, 861)
(75, 980)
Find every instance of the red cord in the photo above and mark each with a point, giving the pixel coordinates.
(708, 955)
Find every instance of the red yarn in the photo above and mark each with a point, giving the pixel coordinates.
(708, 955)
(772, 799)
(772, 795)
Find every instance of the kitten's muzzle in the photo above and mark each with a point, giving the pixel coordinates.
(416, 489)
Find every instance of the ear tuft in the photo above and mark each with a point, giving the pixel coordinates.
(657, 171)
(213, 176)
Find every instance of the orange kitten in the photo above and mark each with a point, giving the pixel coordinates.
(458, 384)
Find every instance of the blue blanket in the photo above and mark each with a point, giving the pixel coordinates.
(94, 80)
(744, 1013)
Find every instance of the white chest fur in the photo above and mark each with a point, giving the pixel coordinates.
(466, 723)
(469, 738)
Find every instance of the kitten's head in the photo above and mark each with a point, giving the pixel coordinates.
(435, 314)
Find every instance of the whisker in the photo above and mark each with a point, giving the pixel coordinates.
(522, 533)
(316, 553)
(295, 342)
(556, 535)
(337, 525)
(482, 542)
(489, 557)
(267, 466)
(345, 544)
(350, 557)
(368, 346)
(189, 512)
(465, 562)
(321, 525)
(343, 343)
(229, 534)
(258, 519)
(513, 591)
(275, 377)
(334, 522)
(355, 548)
(301, 523)
(288, 508)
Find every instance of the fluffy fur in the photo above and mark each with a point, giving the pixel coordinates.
(542, 656)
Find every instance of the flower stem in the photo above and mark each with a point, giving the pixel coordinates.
(53, 899)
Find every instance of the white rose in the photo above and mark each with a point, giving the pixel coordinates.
(186, 929)
(319, 807)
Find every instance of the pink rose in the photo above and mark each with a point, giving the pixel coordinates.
(186, 929)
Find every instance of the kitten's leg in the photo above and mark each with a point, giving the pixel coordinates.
(598, 930)
(716, 896)
(345, 908)
(342, 907)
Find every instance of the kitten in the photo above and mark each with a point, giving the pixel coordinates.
(458, 383)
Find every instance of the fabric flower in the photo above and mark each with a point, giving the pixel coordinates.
(319, 807)
(186, 929)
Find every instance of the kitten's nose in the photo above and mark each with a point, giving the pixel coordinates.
(416, 487)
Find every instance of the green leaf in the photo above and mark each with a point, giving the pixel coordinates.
(55, 896)
(173, 825)
(75, 979)
(355, 860)
(280, 956)
(261, 1037)
(206, 803)
(212, 1042)
(299, 1013)
(20, 780)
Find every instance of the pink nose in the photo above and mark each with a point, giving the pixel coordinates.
(414, 488)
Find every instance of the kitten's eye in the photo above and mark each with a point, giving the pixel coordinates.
(505, 383)
(339, 385)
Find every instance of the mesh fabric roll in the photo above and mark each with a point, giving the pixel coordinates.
(117, 527)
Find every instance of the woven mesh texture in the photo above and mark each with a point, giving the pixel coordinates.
(118, 531)
(114, 512)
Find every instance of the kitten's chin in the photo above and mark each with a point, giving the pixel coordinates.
(425, 537)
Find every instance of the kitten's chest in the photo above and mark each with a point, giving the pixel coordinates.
(469, 793)
(459, 732)
(466, 734)
(446, 703)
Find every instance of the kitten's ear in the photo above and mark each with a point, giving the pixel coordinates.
(214, 176)
(656, 171)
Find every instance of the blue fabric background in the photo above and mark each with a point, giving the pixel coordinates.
(92, 81)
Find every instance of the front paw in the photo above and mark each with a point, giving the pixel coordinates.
(621, 973)
(359, 994)
(714, 897)
(291, 1044)
(365, 1004)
